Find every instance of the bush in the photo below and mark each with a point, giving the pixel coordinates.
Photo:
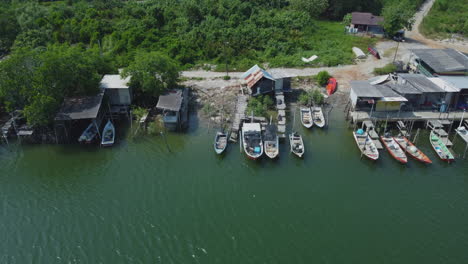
(322, 78)
(317, 97)
(259, 105)
(227, 78)
(389, 68)
(314, 96)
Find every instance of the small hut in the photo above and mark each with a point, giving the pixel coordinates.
(174, 106)
(259, 81)
(118, 92)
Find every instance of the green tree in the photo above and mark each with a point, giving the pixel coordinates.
(398, 15)
(313, 7)
(8, 29)
(151, 74)
(347, 19)
(322, 78)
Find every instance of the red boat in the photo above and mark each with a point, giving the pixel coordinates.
(331, 86)
(394, 149)
(374, 52)
(412, 150)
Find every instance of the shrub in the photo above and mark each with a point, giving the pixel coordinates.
(259, 105)
(389, 68)
(317, 97)
(322, 78)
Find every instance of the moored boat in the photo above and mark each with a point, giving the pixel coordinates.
(252, 140)
(331, 86)
(220, 142)
(108, 135)
(89, 134)
(306, 117)
(394, 149)
(271, 141)
(440, 148)
(366, 145)
(412, 150)
(319, 119)
(297, 144)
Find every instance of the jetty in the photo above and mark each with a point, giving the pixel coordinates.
(239, 115)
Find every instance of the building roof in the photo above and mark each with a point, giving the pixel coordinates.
(365, 89)
(255, 74)
(460, 82)
(359, 18)
(80, 107)
(421, 82)
(403, 88)
(171, 101)
(443, 60)
(114, 81)
(446, 86)
(251, 127)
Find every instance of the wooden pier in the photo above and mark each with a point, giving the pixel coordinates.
(422, 116)
(241, 106)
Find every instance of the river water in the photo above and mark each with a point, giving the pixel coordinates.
(144, 202)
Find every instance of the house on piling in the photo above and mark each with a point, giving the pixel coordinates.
(76, 113)
(259, 81)
(118, 93)
(366, 96)
(174, 107)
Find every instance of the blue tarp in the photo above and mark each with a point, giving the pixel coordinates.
(360, 132)
(257, 149)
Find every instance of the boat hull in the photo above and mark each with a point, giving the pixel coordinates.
(369, 156)
(220, 150)
(407, 144)
(443, 156)
(304, 113)
(393, 152)
(299, 140)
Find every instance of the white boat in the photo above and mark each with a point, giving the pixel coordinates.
(89, 134)
(108, 135)
(394, 149)
(271, 141)
(440, 148)
(319, 119)
(306, 117)
(297, 144)
(252, 140)
(366, 145)
(220, 142)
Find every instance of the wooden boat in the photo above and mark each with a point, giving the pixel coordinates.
(297, 144)
(374, 52)
(108, 135)
(271, 141)
(412, 150)
(306, 117)
(394, 149)
(89, 134)
(440, 148)
(220, 142)
(331, 86)
(366, 145)
(252, 140)
(319, 119)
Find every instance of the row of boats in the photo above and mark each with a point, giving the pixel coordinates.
(256, 142)
(92, 131)
(400, 146)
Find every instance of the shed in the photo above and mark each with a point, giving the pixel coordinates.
(117, 89)
(439, 62)
(259, 81)
(364, 94)
(174, 105)
(367, 22)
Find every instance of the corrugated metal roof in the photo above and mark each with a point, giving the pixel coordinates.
(359, 18)
(80, 107)
(255, 74)
(422, 83)
(171, 101)
(460, 82)
(443, 60)
(114, 81)
(403, 89)
(446, 86)
(365, 89)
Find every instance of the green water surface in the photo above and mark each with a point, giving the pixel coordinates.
(139, 202)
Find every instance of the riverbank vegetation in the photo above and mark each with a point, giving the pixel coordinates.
(61, 48)
(446, 18)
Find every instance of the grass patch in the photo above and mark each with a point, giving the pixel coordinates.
(389, 68)
(445, 18)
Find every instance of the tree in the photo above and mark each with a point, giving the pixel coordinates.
(8, 30)
(322, 78)
(151, 74)
(313, 7)
(347, 19)
(398, 15)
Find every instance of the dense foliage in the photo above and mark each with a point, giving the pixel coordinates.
(322, 78)
(38, 80)
(446, 17)
(311, 97)
(259, 106)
